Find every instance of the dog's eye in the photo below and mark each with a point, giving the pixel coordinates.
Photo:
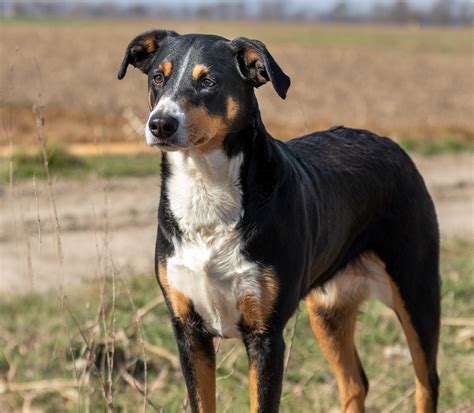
(208, 82)
(158, 79)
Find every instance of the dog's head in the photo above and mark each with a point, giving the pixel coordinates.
(200, 87)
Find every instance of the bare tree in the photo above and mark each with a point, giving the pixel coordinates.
(441, 12)
(340, 11)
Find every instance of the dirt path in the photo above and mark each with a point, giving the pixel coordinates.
(112, 223)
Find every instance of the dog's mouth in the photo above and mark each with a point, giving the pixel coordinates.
(169, 143)
(166, 145)
(176, 142)
(161, 142)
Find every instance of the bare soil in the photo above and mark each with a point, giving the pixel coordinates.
(114, 221)
(400, 81)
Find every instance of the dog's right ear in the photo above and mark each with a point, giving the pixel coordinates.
(141, 49)
(256, 64)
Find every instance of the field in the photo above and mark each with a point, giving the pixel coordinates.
(405, 82)
(37, 352)
(82, 323)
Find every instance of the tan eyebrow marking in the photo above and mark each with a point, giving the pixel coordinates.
(166, 67)
(199, 70)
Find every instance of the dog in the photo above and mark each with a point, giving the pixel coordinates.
(248, 226)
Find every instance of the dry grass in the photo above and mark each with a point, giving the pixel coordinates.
(121, 344)
(405, 82)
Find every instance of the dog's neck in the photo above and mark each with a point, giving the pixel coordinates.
(205, 189)
(212, 168)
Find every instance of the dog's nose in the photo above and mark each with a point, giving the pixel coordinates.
(163, 126)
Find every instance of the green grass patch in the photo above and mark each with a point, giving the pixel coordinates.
(437, 146)
(40, 342)
(62, 163)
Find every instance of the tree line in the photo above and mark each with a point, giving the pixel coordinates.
(440, 12)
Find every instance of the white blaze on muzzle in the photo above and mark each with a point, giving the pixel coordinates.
(169, 106)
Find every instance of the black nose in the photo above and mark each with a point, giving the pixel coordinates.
(163, 126)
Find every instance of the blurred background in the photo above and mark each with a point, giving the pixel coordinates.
(83, 326)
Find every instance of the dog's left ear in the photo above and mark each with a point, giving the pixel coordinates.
(256, 63)
(141, 49)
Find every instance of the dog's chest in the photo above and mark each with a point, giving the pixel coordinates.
(207, 264)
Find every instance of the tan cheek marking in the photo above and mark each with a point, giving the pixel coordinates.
(422, 395)
(256, 310)
(180, 303)
(199, 70)
(166, 68)
(232, 108)
(206, 132)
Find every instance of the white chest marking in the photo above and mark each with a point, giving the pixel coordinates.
(207, 266)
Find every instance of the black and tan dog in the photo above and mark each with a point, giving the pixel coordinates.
(248, 226)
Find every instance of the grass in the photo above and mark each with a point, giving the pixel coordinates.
(35, 347)
(437, 146)
(64, 164)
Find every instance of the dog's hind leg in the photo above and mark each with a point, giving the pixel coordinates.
(332, 312)
(416, 301)
(411, 287)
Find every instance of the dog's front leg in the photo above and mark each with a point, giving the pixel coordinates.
(197, 357)
(265, 352)
(195, 346)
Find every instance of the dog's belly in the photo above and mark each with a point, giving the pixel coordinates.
(362, 278)
(214, 276)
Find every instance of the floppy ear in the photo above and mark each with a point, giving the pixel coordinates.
(141, 49)
(256, 63)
